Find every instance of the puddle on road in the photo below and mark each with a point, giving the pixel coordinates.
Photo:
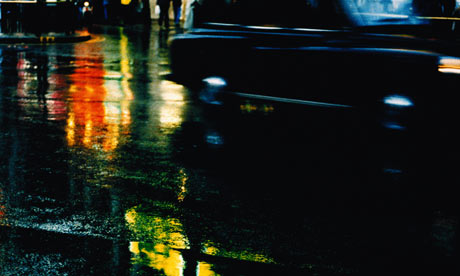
(111, 143)
(157, 241)
(160, 242)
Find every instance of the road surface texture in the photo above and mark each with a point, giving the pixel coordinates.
(108, 168)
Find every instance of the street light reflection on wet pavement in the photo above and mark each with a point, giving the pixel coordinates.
(89, 183)
(102, 173)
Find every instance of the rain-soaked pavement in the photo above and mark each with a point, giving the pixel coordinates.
(103, 172)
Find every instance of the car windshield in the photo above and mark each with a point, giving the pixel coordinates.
(384, 12)
(326, 13)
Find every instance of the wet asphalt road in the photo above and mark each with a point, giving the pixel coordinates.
(107, 168)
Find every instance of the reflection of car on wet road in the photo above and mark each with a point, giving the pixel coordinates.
(380, 72)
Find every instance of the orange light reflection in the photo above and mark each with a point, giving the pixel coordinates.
(99, 110)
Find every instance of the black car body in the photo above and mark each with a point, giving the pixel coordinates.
(344, 65)
(392, 86)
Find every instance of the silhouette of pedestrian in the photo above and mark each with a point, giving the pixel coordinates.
(177, 6)
(164, 13)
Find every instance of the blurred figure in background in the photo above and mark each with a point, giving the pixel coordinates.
(434, 7)
(163, 21)
(387, 5)
(126, 11)
(191, 9)
(448, 7)
(177, 6)
(105, 7)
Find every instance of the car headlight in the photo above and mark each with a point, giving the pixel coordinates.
(450, 65)
(397, 111)
(398, 101)
(212, 90)
(215, 82)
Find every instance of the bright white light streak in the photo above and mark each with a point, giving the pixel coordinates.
(398, 100)
(449, 65)
(215, 81)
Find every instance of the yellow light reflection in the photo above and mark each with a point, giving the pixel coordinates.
(166, 236)
(210, 248)
(183, 185)
(125, 68)
(134, 248)
(166, 240)
(169, 261)
(262, 108)
(130, 216)
(170, 116)
(205, 269)
(168, 231)
(88, 133)
(171, 91)
(172, 110)
(125, 113)
(71, 129)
